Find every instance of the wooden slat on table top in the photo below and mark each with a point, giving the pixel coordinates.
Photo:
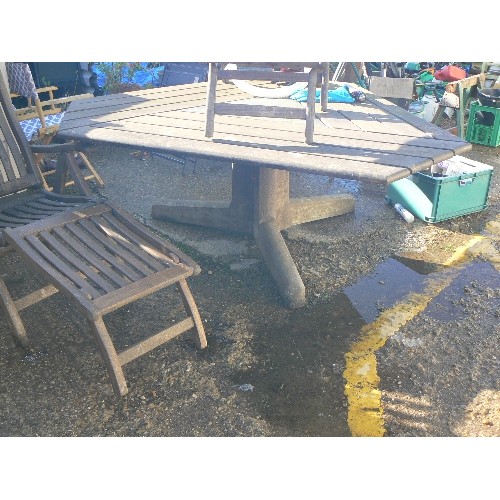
(330, 145)
(341, 125)
(371, 141)
(283, 143)
(371, 166)
(153, 93)
(174, 98)
(343, 128)
(135, 106)
(370, 118)
(261, 131)
(415, 121)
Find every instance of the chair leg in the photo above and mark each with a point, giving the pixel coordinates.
(13, 318)
(89, 165)
(192, 310)
(110, 356)
(311, 106)
(211, 91)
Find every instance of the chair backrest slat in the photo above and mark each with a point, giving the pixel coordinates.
(17, 163)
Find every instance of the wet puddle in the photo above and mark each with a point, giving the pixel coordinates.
(476, 277)
(299, 384)
(390, 282)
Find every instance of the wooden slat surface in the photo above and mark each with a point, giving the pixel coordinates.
(96, 255)
(107, 257)
(376, 140)
(100, 264)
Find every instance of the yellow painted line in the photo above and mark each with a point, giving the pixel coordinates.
(365, 413)
(461, 254)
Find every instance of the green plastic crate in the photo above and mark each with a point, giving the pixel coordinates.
(478, 133)
(434, 199)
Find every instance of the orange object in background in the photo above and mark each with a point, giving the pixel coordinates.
(450, 74)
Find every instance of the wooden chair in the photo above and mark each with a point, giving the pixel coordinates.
(268, 75)
(46, 114)
(91, 251)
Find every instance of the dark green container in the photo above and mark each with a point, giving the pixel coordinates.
(434, 199)
(484, 125)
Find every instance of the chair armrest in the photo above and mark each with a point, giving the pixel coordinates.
(56, 148)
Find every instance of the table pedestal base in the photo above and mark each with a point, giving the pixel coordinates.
(260, 205)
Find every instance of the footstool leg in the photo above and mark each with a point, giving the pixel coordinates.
(110, 356)
(192, 310)
(13, 318)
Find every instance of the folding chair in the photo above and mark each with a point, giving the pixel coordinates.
(41, 118)
(264, 72)
(91, 251)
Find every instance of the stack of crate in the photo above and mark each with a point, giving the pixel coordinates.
(484, 125)
(484, 121)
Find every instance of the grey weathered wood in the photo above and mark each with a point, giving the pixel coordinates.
(101, 251)
(140, 247)
(187, 138)
(211, 97)
(392, 87)
(254, 128)
(8, 306)
(311, 105)
(76, 261)
(77, 283)
(140, 231)
(359, 163)
(371, 142)
(115, 249)
(76, 175)
(97, 255)
(99, 264)
(35, 297)
(109, 355)
(154, 341)
(269, 111)
(415, 121)
(64, 285)
(108, 223)
(259, 111)
(69, 257)
(279, 64)
(192, 310)
(261, 75)
(325, 75)
(139, 289)
(154, 104)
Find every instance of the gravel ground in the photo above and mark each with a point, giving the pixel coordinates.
(270, 371)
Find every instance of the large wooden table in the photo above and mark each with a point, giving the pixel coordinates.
(374, 141)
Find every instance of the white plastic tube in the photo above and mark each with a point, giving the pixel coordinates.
(407, 216)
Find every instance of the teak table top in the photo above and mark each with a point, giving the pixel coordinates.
(375, 141)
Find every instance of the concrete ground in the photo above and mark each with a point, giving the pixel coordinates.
(399, 336)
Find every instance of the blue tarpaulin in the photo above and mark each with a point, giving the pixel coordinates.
(337, 95)
(143, 77)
